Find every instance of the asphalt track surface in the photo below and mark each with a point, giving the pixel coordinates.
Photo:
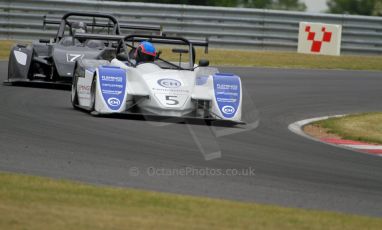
(40, 134)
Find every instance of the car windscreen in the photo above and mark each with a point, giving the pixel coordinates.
(170, 54)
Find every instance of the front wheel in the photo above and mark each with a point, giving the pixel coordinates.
(93, 94)
(8, 81)
(74, 98)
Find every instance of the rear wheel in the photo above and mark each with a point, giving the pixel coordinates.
(38, 71)
(53, 73)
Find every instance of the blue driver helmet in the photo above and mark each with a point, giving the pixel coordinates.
(145, 52)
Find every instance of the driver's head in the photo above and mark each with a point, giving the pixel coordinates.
(145, 52)
(79, 27)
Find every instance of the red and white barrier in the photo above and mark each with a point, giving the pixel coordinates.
(318, 38)
(355, 145)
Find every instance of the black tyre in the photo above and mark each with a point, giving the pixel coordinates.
(93, 94)
(74, 95)
(10, 63)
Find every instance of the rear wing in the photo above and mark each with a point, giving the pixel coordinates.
(158, 29)
(201, 43)
(99, 37)
(139, 38)
(93, 23)
(164, 39)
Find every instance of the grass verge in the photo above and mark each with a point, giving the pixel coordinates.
(5, 47)
(222, 57)
(29, 202)
(365, 127)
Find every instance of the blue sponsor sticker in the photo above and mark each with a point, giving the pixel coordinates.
(113, 85)
(227, 93)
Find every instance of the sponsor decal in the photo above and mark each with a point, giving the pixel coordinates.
(21, 57)
(227, 93)
(73, 57)
(114, 101)
(84, 88)
(169, 83)
(176, 91)
(113, 86)
(228, 109)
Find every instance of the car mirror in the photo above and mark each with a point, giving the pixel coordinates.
(180, 51)
(204, 62)
(158, 54)
(123, 57)
(44, 40)
(114, 45)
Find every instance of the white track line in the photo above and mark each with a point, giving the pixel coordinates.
(365, 147)
(297, 128)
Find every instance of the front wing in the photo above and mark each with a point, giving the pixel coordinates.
(38, 84)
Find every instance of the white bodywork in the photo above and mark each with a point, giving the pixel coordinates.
(164, 92)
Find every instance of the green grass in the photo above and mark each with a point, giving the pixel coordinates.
(5, 47)
(359, 127)
(221, 57)
(28, 202)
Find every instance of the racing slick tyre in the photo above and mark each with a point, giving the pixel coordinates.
(93, 94)
(74, 95)
(7, 82)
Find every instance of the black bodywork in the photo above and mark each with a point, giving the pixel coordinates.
(53, 61)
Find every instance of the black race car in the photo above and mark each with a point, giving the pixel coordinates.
(52, 61)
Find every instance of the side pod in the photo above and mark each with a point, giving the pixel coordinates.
(227, 99)
(110, 87)
(19, 62)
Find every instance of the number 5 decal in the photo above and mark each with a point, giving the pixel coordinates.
(172, 100)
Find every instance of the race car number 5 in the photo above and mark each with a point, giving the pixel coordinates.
(172, 100)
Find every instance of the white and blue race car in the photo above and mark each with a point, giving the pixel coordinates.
(171, 85)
